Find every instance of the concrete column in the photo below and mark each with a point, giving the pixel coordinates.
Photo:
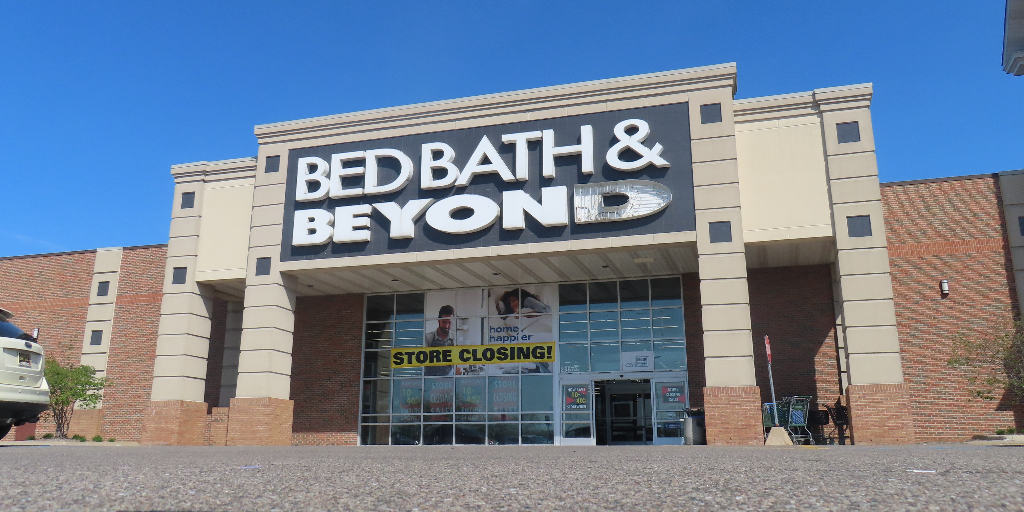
(100, 316)
(731, 396)
(179, 372)
(1011, 188)
(177, 412)
(98, 327)
(877, 396)
(261, 411)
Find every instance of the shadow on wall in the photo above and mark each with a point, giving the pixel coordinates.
(1009, 401)
(793, 306)
(694, 339)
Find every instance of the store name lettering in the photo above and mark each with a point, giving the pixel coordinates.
(317, 179)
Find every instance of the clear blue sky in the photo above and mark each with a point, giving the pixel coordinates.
(99, 99)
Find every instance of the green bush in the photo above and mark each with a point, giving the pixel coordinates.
(110, 440)
(71, 386)
(30, 438)
(97, 438)
(77, 437)
(1000, 431)
(47, 436)
(1011, 431)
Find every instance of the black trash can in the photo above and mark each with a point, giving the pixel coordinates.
(694, 431)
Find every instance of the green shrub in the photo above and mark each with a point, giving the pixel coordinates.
(30, 438)
(77, 437)
(47, 436)
(70, 387)
(97, 438)
(110, 440)
(1011, 431)
(1000, 431)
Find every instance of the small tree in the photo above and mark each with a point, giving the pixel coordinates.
(71, 385)
(993, 363)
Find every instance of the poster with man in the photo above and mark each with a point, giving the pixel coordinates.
(458, 322)
(520, 314)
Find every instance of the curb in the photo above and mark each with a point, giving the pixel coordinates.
(994, 440)
(65, 442)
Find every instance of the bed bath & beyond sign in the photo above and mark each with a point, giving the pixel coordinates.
(622, 168)
(318, 179)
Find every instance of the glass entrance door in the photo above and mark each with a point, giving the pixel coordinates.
(623, 412)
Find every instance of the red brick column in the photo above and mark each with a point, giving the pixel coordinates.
(733, 415)
(880, 414)
(260, 421)
(174, 423)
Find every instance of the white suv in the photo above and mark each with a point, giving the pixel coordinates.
(24, 393)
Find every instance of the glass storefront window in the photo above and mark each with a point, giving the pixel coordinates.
(469, 395)
(503, 394)
(440, 395)
(574, 357)
(379, 335)
(604, 357)
(538, 433)
(409, 334)
(438, 433)
(669, 355)
(503, 433)
(470, 433)
(536, 392)
(376, 396)
(668, 323)
(380, 308)
(634, 294)
(407, 396)
(572, 297)
(409, 306)
(604, 295)
(489, 401)
(405, 434)
(377, 363)
(572, 327)
(666, 292)
(636, 324)
(604, 325)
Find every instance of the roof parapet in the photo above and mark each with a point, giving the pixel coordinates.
(507, 105)
(214, 171)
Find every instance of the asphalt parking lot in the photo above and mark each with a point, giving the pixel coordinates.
(949, 477)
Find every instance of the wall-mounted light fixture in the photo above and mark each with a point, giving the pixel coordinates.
(944, 287)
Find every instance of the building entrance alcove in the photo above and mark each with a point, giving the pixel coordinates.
(623, 412)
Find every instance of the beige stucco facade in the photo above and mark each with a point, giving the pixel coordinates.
(772, 167)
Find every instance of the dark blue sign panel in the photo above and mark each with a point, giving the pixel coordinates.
(664, 164)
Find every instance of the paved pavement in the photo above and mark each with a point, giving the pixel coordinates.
(951, 477)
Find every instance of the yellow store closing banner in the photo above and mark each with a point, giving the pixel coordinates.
(479, 354)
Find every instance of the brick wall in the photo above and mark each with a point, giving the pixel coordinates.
(733, 415)
(133, 341)
(326, 357)
(174, 423)
(259, 422)
(951, 230)
(878, 414)
(793, 306)
(51, 292)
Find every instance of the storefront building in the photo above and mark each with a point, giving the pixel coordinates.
(568, 265)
